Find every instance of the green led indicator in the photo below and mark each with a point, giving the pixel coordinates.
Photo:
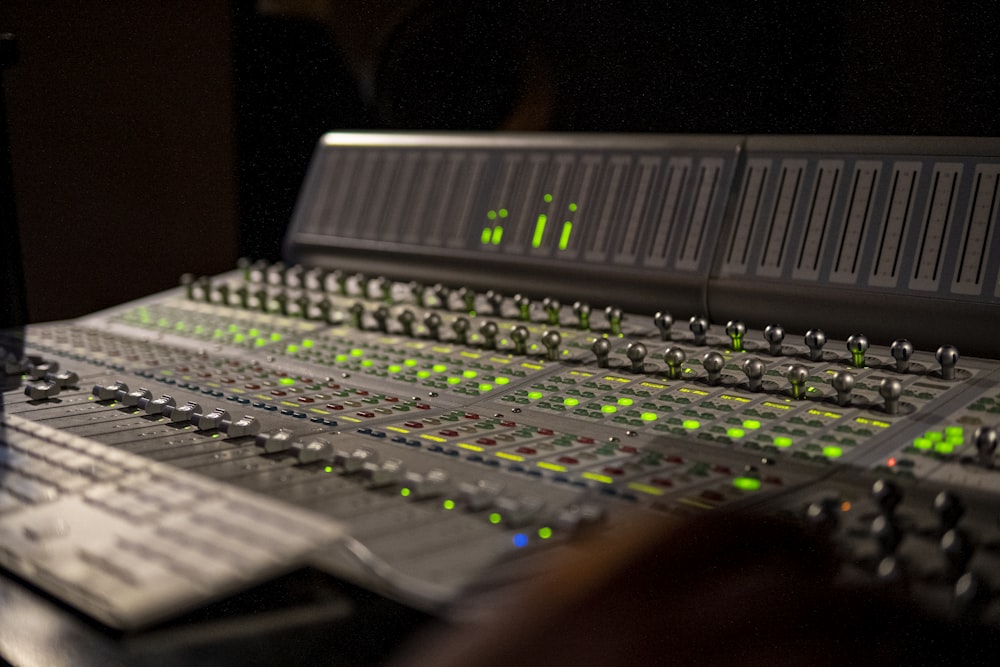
(735, 433)
(547, 198)
(410, 362)
(497, 235)
(625, 401)
(233, 328)
(162, 322)
(277, 336)
(495, 518)
(536, 240)
(572, 207)
(746, 483)
(254, 333)
(833, 452)
(571, 401)
(239, 338)
(469, 374)
(485, 387)
(453, 380)
(448, 504)
(564, 237)
(944, 448)
(260, 342)
(923, 444)
(487, 235)
(545, 532)
(423, 375)
(502, 380)
(782, 441)
(934, 436)
(340, 358)
(439, 368)
(357, 352)
(328, 469)
(394, 368)
(179, 326)
(534, 395)
(503, 213)
(405, 492)
(692, 424)
(367, 363)
(286, 381)
(651, 417)
(492, 215)
(952, 431)
(609, 409)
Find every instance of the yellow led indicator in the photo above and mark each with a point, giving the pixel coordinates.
(471, 448)
(509, 457)
(604, 479)
(551, 466)
(536, 240)
(646, 488)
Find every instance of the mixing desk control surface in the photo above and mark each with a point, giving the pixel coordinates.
(411, 436)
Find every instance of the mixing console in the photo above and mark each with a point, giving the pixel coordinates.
(408, 434)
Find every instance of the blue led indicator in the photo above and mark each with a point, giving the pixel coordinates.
(520, 540)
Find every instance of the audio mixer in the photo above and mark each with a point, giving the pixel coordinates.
(483, 346)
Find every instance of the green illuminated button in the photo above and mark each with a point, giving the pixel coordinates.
(545, 532)
(534, 395)
(357, 352)
(746, 483)
(454, 380)
(923, 443)
(423, 374)
(495, 518)
(448, 504)
(571, 401)
(501, 380)
(625, 401)
(652, 416)
(691, 424)
(833, 452)
(286, 381)
(782, 441)
(439, 368)
(609, 409)
(944, 448)
(485, 387)
(469, 374)
(735, 432)
(934, 436)
(394, 368)
(751, 424)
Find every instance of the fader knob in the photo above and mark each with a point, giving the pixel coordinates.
(519, 335)
(468, 298)
(815, 339)
(957, 549)
(886, 532)
(442, 292)
(713, 363)
(582, 312)
(489, 331)
(663, 321)
(357, 311)
(109, 392)
(947, 356)
(886, 495)
(406, 320)
(601, 349)
(889, 571)
(551, 307)
(890, 389)
(949, 509)
(699, 327)
(63, 379)
(674, 358)
(381, 316)
(210, 420)
(843, 383)
(754, 369)
(461, 328)
(970, 593)
(433, 323)
(901, 350)
(797, 376)
(824, 515)
(636, 353)
(986, 445)
(41, 390)
(244, 426)
(133, 397)
(183, 413)
(736, 330)
(495, 299)
(614, 316)
(857, 345)
(551, 340)
(774, 334)
(523, 304)
(160, 405)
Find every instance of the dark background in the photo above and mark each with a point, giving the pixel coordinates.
(151, 138)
